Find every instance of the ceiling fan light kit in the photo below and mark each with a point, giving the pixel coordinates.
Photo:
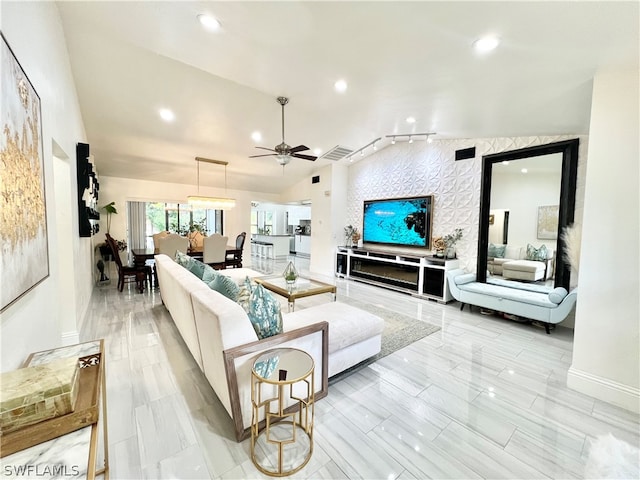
(211, 203)
(284, 152)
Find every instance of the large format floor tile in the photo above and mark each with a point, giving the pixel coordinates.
(481, 398)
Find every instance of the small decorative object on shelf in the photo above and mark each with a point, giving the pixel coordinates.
(290, 274)
(349, 230)
(450, 241)
(356, 237)
(439, 246)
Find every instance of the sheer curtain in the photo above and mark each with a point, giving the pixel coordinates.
(137, 225)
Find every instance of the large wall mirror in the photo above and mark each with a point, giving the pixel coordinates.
(528, 197)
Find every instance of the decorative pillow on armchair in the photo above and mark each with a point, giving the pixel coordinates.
(537, 254)
(496, 251)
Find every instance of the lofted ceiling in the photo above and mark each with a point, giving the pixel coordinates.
(130, 59)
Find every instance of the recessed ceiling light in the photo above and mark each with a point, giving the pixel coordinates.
(317, 151)
(256, 136)
(524, 170)
(167, 115)
(340, 86)
(411, 120)
(486, 44)
(209, 22)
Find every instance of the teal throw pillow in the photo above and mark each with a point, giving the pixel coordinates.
(537, 254)
(182, 258)
(496, 251)
(225, 286)
(196, 267)
(264, 313)
(209, 273)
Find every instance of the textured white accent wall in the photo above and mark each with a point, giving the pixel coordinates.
(420, 168)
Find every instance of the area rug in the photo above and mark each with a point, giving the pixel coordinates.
(399, 331)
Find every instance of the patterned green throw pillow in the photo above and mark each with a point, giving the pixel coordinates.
(496, 251)
(196, 267)
(182, 259)
(225, 286)
(264, 313)
(209, 273)
(538, 254)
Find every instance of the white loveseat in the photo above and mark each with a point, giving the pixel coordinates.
(219, 335)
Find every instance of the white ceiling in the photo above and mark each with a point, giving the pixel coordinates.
(129, 59)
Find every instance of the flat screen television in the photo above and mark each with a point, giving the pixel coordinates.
(398, 221)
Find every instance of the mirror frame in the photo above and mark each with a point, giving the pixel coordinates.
(569, 150)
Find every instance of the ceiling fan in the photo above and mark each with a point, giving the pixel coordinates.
(284, 152)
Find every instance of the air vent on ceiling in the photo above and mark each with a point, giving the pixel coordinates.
(337, 153)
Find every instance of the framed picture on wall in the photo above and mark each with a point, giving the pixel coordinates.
(548, 222)
(24, 262)
(492, 218)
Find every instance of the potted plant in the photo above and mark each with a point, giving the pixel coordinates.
(450, 241)
(110, 209)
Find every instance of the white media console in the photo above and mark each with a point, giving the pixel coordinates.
(419, 275)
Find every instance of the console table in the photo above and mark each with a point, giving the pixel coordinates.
(65, 446)
(420, 275)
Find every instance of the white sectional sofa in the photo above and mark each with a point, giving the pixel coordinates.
(549, 307)
(517, 267)
(219, 335)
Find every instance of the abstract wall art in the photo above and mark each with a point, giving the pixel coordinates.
(24, 256)
(548, 222)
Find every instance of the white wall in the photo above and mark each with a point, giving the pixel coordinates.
(606, 354)
(522, 194)
(34, 32)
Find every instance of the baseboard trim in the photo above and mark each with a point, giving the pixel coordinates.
(70, 338)
(604, 389)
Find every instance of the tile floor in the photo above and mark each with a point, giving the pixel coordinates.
(481, 398)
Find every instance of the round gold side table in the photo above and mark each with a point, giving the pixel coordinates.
(282, 399)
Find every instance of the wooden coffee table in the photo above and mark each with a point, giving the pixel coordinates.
(303, 287)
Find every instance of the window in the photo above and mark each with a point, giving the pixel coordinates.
(179, 218)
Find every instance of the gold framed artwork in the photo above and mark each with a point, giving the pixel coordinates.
(548, 222)
(24, 262)
(492, 218)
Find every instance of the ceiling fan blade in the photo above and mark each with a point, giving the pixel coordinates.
(299, 148)
(265, 148)
(266, 155)
(304, 157)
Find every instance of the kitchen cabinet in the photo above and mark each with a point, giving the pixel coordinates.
(303, 245)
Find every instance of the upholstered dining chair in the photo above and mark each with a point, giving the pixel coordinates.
(173, 242)
(215, 250)
(157, 237)
(128, 273)
(235, 259)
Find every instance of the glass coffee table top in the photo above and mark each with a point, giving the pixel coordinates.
(303, 287)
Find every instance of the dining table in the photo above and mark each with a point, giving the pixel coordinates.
(141, 255)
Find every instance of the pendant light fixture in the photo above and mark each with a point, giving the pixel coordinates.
(211, 203)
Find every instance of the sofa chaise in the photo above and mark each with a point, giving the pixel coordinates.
(526, 301)
(224, 344)
(513, 264)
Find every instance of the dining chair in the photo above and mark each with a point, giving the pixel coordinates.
(215, 250)
(128, 273)
(235, 259)
(157, 237)
(173, 242)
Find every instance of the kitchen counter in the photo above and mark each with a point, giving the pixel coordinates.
(280, 244)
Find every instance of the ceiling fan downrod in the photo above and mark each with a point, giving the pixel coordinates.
(283, 101)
